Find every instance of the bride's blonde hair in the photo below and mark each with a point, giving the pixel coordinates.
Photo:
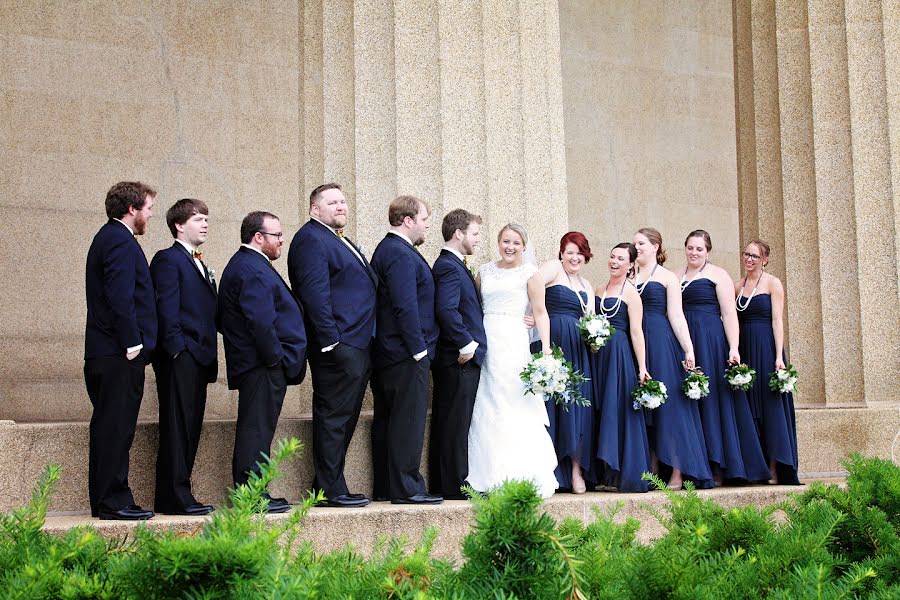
(516, 228)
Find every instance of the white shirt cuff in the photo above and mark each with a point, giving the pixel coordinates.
(330, 348)
(469, 348)
(420, 355)
(134, 349)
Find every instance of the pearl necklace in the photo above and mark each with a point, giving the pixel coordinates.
(737, 301)
(610, 313)
(639, 286)
(684, 283)
(584, 305)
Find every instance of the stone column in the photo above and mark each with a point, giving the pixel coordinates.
(458, 102)
(873, 196)
(799, 198)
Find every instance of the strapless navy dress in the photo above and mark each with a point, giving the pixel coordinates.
(677, 432)
(572, 430)
(774, 412)
(732, 442)
(623, 453)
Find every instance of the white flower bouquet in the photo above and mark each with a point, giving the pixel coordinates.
(740, 377)
(552, 376)
(784, 381)
(696, 385)
(650, 394)
(595, 330)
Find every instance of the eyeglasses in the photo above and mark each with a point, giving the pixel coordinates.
(753, 257)
(278, 235)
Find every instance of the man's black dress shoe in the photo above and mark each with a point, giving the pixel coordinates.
(358, 496)
(128, 513)
(346, 501)
(276, 501)
(193, 510)
(418, 499)
(380, 498)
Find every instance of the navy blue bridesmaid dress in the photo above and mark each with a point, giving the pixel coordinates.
(773, 411)
(728, 427)
(572, 430)
(677, 433)
(623, 452)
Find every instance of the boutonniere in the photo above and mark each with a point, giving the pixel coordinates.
(212, 275)
(470, 266)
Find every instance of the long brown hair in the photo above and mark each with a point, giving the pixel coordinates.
(655, 237)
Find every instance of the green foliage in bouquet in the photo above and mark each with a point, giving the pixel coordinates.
(784, 381)
(552, 376)
(740, 376)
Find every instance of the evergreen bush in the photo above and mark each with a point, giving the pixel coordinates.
(829, 542)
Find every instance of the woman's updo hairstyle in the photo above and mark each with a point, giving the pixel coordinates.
(655, 237)
(763, 248)
(517, 229)
(580, 241)
(704, 235)
(632, 256)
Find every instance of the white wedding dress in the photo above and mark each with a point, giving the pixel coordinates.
(508, 436)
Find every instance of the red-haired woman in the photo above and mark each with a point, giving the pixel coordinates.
(760, 305)
(568, 297)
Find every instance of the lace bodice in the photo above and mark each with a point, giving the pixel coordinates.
(505, 291)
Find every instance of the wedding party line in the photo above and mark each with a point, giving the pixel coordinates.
(532, 371)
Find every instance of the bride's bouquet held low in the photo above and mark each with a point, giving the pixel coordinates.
(595, 330)
(552, 376)
(650, 394)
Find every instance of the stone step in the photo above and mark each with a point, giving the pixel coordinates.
(825, 437)
(333, 528)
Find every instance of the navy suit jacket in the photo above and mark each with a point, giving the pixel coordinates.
(260, 320)
(406, 323)
(457, 307)
(185, 306)
(121, 307)
(337, 290)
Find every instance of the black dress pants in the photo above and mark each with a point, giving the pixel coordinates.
(115, 386)
(181, 383)
(260, 397)
(339, 379)
(398, 427)
(454, 391)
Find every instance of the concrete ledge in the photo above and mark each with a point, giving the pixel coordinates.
(825, 437)
(334, 528)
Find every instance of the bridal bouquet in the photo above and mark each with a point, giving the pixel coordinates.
(552, 376)
(650, 394)
(784, 381)
(696, 385)
(740, 377)
(595, 330)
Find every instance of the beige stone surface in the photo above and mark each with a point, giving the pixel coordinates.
(334, 528)
(198, 102)
(873, 196)
(825, 438)
(648, 94)
(801, 241)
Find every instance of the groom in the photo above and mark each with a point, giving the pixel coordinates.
(460, 354)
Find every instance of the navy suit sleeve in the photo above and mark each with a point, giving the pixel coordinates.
(119, 264)
(258, 305)
(400, 278)
(167, 284)
(313, 288)
(447, 284)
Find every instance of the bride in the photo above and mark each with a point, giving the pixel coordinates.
(508, 437)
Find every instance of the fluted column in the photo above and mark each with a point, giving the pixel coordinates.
(801, 250)
(458, 102)
(890, 12)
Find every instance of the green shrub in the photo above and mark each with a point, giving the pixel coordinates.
(830, 542)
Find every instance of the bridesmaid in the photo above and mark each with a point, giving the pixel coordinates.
(760, 305)
(623, 452)
(677, 433)
(707, 293)
(568, 297)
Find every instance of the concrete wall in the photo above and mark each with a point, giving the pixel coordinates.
(648, 90)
